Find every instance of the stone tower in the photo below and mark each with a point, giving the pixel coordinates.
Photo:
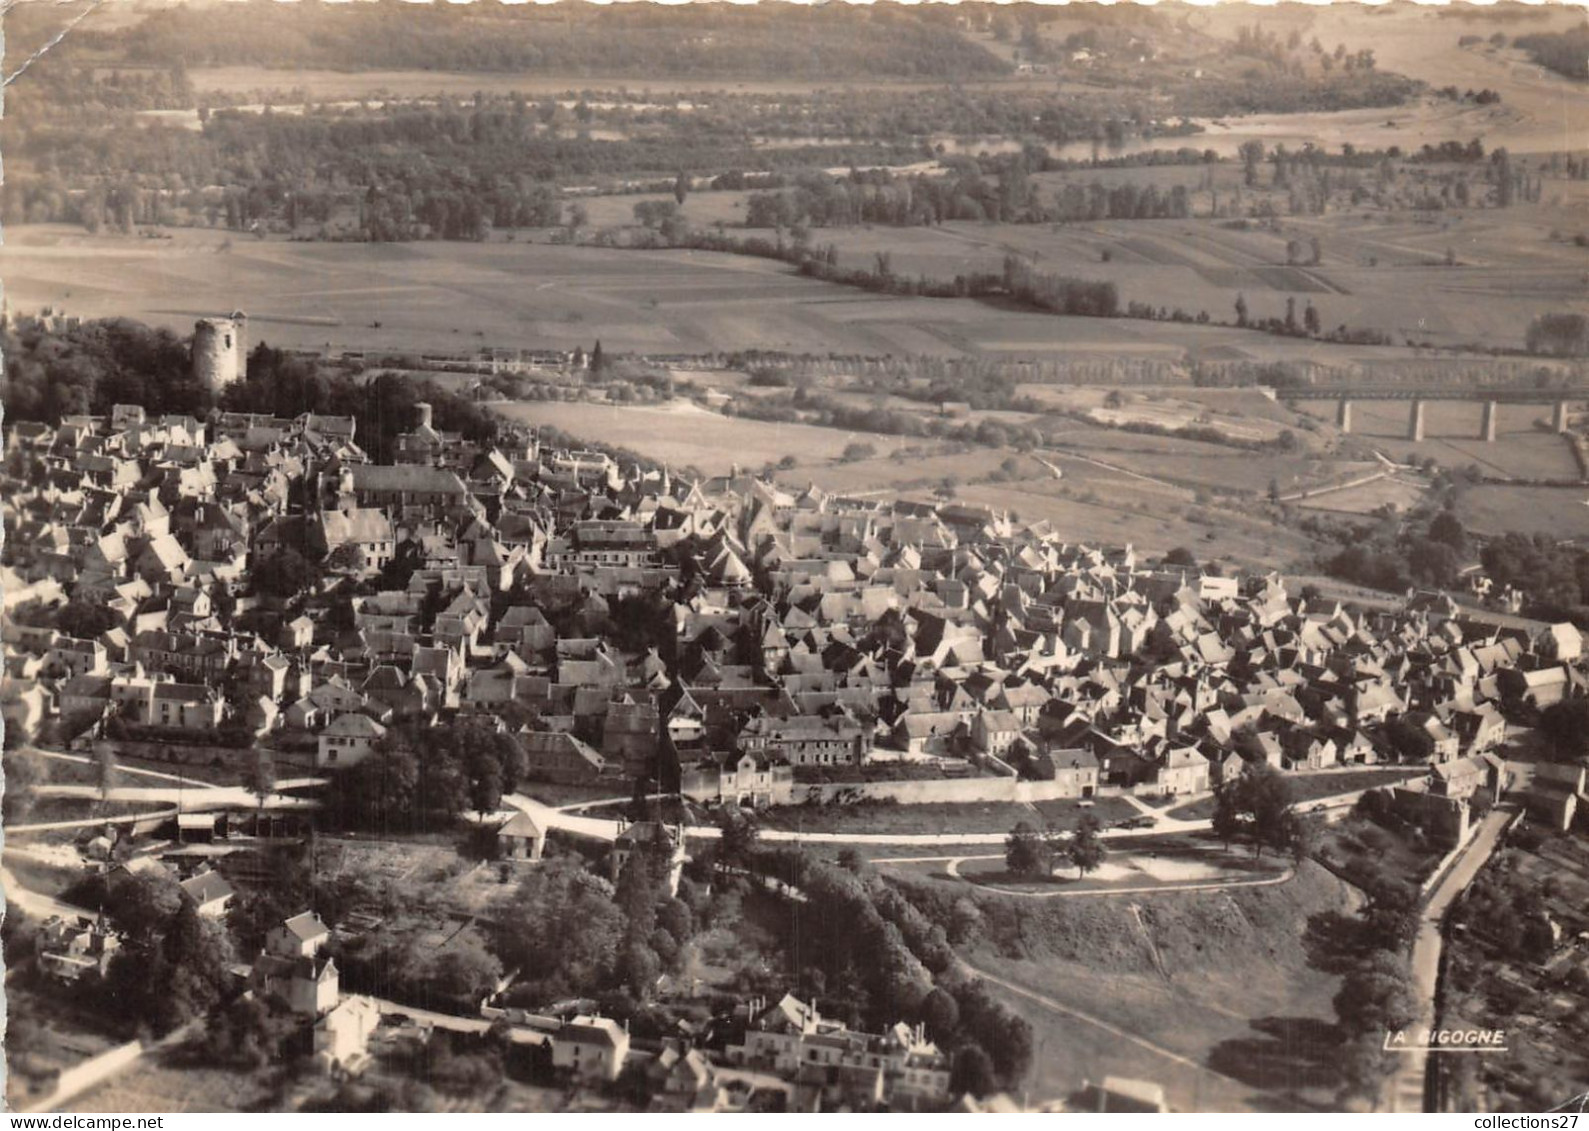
(220, 350)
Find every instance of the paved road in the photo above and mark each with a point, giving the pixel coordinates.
(1405, 1090)
(37, 904)
(606, 828)
(216, 797)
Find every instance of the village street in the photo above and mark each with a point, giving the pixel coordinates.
(1405, 1090)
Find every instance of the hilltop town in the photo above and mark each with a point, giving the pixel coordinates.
(233, 637)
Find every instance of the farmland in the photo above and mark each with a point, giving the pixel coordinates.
(683, 435)
(1380, 272)
(460, 296)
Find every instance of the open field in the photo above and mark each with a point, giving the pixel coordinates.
(431, 865)
(1380, 272)
(1215, 983)
(1421, 42)
(1559, 512)
(1366, 498)
(463, 296)
(685, 435)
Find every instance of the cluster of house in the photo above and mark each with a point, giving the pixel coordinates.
(790, 1058)
(809, 638)
(292, 970)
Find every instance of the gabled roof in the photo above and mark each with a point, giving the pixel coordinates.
(208, 887)
(306, 925)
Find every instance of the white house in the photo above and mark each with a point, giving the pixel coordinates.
(347, 741)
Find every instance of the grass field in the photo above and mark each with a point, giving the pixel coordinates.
(1385, 273)
(462, 296)
(1218, 979)
(683, 435)
(1365, 498)
(1554, 511)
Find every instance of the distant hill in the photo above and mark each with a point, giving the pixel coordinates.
(828, 42)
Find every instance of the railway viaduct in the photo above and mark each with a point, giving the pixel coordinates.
(1488, 398)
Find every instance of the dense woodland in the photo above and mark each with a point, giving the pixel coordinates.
(706, 42)
(1565, 52)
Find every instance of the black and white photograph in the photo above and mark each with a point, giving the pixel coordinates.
(661, 558)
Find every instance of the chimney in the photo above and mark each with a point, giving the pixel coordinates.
(424, 414)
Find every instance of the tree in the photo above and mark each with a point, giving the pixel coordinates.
(857, 451)
(84, 621)
(1086, 846)
(1446, 527)
(1377, 997)
(1565, 725)
(737, 841)
(972, 1073)
(1257, 806)
(260, 778)
(597, 361)
(106, 771)
(1310, 319)
(1180, 556)
(485, 783)
(346, 558)
(22, 775)
(1026, 852)
(285, 574)
(681, 187)
(941, 1014)
(1227, 819)
(1241, 309)
(1411, 743)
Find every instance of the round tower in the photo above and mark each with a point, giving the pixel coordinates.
(218, 353)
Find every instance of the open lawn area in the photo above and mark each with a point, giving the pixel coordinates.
(1214, 986)
(1129, 870)
(944, 818)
